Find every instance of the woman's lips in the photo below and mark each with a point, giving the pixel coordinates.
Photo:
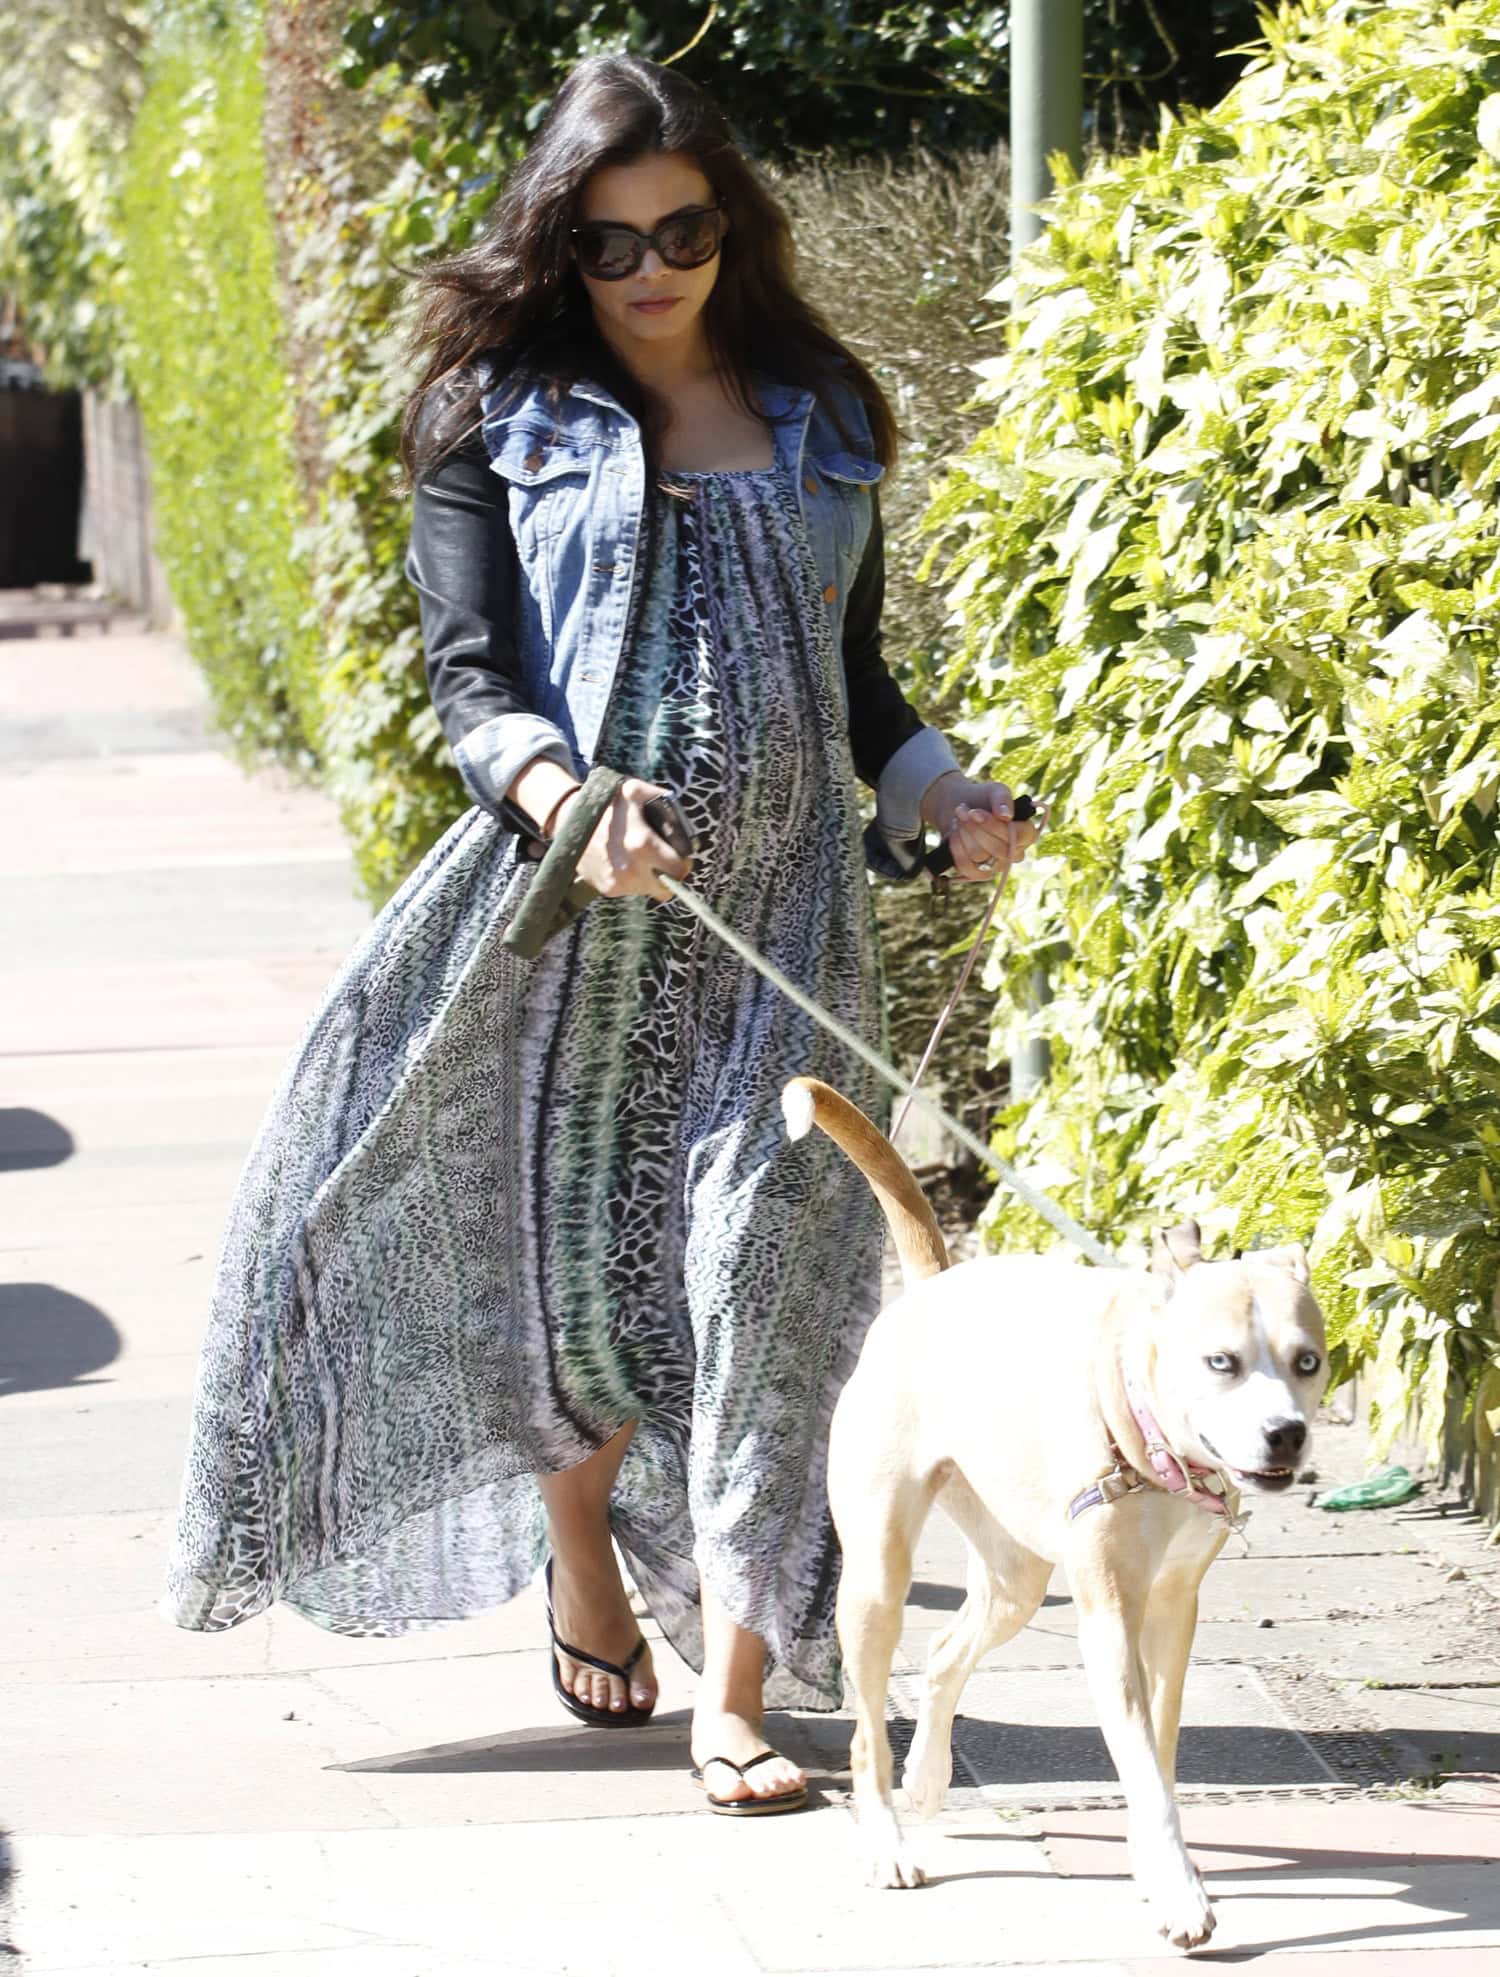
(657, 305)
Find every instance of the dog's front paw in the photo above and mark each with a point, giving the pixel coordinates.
(1183, 1914)
(884, 1857)
(891, 1867)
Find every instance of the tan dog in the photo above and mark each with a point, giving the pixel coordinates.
(1053, 1411)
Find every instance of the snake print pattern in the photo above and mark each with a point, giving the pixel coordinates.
(498, 1208)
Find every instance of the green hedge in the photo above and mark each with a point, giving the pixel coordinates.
(381, 184)
(204, 359)
(860, 76)
(1227, 561)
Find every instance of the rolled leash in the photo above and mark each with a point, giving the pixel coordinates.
(556, 894)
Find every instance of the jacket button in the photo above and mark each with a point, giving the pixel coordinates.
(811, 485)
(532, 462)
(831, 593)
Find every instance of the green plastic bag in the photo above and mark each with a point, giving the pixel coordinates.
(1378, 1492)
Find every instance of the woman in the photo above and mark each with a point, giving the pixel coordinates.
(521, 1263)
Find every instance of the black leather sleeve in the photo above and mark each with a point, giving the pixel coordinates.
(463, 563)
(880, 718)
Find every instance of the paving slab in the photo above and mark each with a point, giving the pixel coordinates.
(167, 801)
(351, 1960)
(170, 1756)
(86, 1589)
(1290, 1590)
(638, 1897)
(144, 1438)
(1479, 1789)
(1356, 1960)
(1024, 1738)
(1441, 1730)
(1261, 1838)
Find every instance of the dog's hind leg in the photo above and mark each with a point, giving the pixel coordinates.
(1005, 1586)
(872, 1594)
(1111, 1618)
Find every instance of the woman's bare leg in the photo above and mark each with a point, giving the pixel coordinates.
(589, 1603)
(728, 1713)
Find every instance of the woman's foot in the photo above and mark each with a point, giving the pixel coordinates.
(590, 1609)
(724, 1733)
(727, 1715)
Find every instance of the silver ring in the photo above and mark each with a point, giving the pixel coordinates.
(984, 864)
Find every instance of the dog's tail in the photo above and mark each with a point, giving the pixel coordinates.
(806, 1102)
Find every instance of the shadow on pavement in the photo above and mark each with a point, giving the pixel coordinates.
(32, 1139)
(948, 1599)
(7, 1887)
(1008, 1757)
(1446, 1908)
(660, 1746)
(1478, 1909)
(49, 1338)
(1215, 1857)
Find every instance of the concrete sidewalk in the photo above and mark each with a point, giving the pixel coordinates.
(281, 1802)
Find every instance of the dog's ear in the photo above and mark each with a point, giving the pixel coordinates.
(1290, 1256)
(1175, 1250)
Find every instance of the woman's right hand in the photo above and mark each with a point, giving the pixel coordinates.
(624, 855)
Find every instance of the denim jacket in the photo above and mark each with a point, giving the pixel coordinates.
(524, 552)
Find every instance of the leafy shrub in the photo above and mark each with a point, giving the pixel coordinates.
(205, 362)
(1226, 561)
(72, 86)
(365, 183)
(859, 76)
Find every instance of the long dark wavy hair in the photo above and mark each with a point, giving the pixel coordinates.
(515, 297)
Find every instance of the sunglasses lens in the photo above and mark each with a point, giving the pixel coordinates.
(608, 253)
(690, 241)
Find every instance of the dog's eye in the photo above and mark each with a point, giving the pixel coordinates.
(1308, 1363)
(1222, 1362)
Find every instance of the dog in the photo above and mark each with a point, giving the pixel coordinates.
(1102, 1420)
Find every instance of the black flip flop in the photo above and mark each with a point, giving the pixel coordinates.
(751, 1807)
(629, 1718)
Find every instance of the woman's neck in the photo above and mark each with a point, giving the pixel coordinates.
(664, 366)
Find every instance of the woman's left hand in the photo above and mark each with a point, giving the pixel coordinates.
(976, 820)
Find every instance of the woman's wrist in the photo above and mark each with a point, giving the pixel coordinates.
(539, 791)
(941, 798)
(549, 823)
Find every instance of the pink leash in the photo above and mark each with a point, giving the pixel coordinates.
(1039, 817)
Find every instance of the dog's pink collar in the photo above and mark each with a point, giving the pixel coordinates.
(1175, 1475)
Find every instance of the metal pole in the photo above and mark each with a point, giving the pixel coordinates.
(1046, 115)
(1046, 103)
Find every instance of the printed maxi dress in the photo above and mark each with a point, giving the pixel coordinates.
(499, 1208)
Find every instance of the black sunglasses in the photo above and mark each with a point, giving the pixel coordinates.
(609, 251)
